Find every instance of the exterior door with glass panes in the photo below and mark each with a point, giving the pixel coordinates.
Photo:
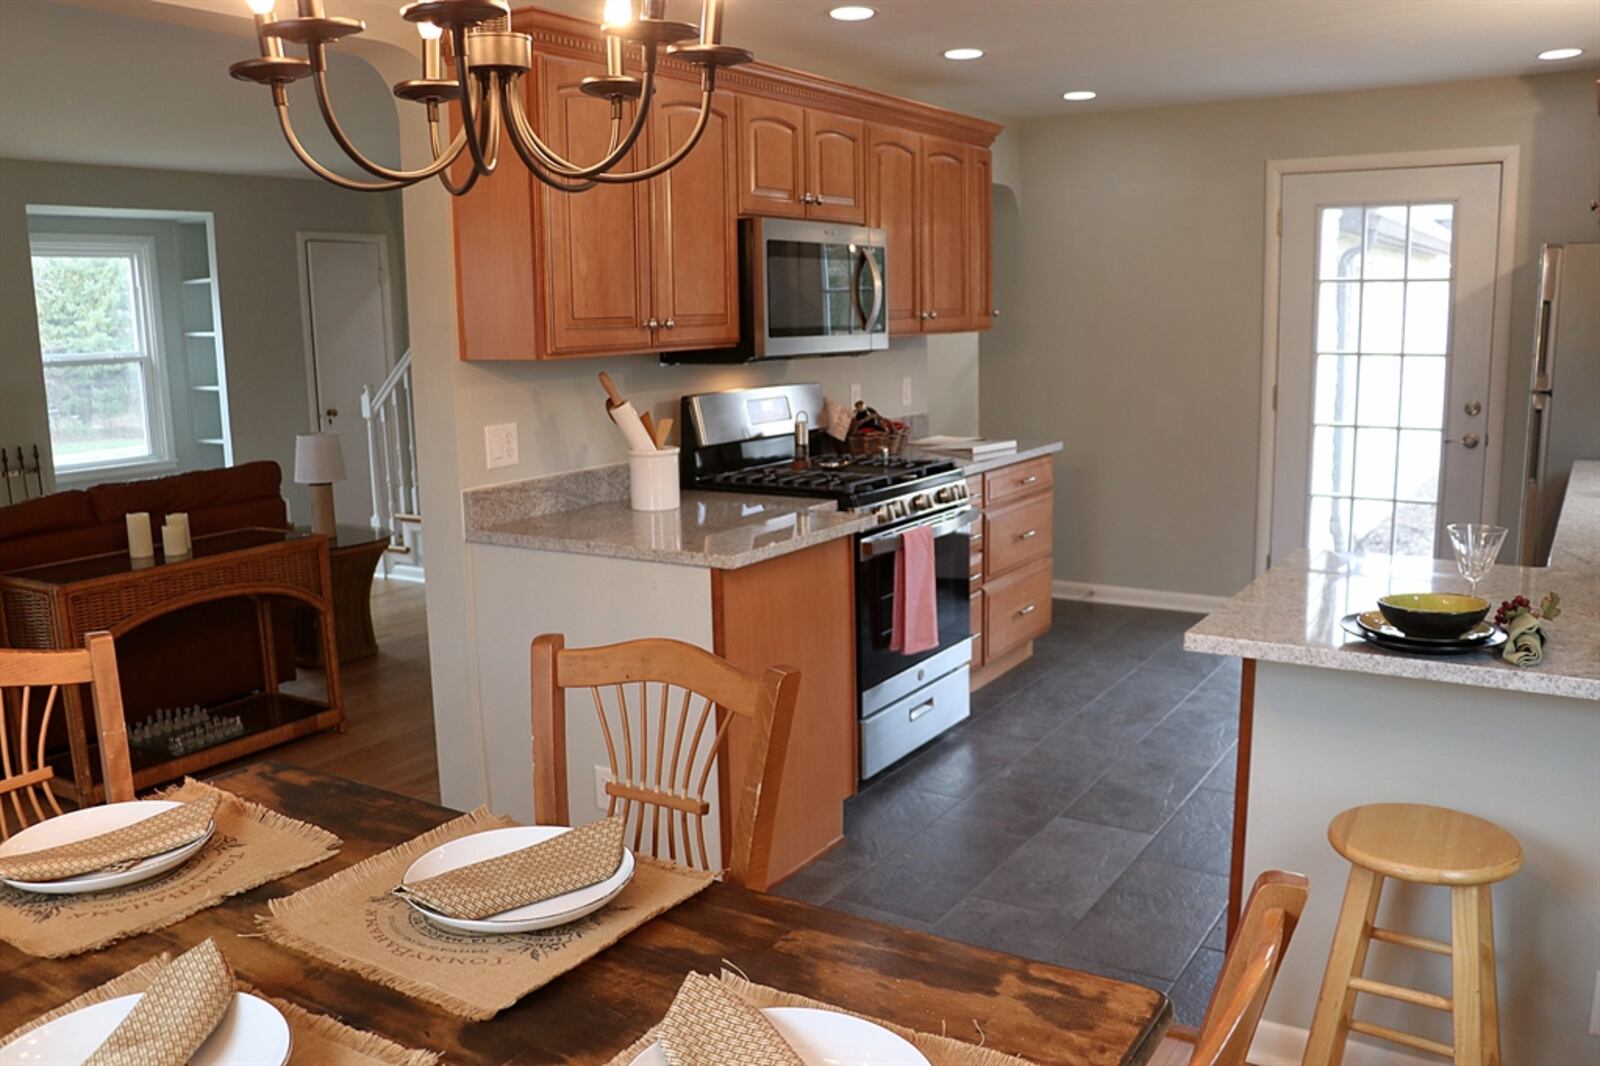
(1386, 309)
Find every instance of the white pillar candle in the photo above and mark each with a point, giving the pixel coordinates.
(180, 520)
(172, 542)
(140, 545)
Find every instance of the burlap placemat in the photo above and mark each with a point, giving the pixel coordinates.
(354, 921)
(252, 845)
(317, 1039)
(938, 1050)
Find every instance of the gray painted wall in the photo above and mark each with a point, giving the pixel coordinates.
(1130, 285)
(256, 220)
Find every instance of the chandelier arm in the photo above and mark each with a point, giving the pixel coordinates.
(319, 78)
(700, 123)
(450, 186)
(475, 134)
(281, 102)
(569, 171)
(528, 145)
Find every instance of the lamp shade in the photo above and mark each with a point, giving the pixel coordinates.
(317, 459)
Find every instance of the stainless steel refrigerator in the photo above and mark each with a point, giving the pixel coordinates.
(1564, 402)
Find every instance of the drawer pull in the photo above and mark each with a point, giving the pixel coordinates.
(921, 709)
(1029, 535)
(1027, 610)
(1029, 480)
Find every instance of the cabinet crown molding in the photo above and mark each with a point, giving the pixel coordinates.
(580, 38)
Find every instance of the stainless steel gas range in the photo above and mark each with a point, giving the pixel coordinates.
(759, 440)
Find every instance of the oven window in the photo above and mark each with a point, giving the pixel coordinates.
(875, 663)
(814, 290)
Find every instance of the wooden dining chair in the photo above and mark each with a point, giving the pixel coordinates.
(659, 783)
(1249, 969)
(31, 684)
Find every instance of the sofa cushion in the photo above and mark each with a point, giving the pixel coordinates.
(196, 491)
(60, 510)
(38, 549)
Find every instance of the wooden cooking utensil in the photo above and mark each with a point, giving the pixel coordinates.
(649, 425)
(636, 430)
(663, 432)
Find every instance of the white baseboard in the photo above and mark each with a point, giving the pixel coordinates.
(405, 572)
(1277, 1044)
(1157, 599)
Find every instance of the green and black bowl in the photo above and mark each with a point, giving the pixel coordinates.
(1436, 615)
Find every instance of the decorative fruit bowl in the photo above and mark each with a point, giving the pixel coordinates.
(1439, 615)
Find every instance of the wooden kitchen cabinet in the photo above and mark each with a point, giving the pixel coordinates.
(1011, 564)
(654, 266)
(799, 162)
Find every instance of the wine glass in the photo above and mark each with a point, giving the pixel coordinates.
(1477, 546)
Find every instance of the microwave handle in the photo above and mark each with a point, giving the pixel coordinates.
(871, 322)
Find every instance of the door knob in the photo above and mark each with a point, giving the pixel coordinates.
(1466, 440)
(1473, 408)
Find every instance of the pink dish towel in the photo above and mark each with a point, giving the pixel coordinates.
(916, 607)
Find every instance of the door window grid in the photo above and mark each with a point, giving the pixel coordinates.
(94, 299)
(1381, 327)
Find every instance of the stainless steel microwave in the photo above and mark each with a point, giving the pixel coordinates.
(808, 288)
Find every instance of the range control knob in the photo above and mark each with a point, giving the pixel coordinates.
(920, 502)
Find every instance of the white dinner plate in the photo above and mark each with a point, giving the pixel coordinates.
(492, 843)
(825, 1038)
(251, 1033)
(92, 821)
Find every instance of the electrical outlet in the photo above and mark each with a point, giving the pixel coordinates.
(602, 777)
(905, 392)
(500, 445)
(1594, 1011)
(855, 394)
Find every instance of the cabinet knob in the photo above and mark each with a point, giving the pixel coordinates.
(923, 316)
(933, 314)
(1029, 535)
(1029, 480)
(669, 323)
(995, 313)
(652, 324)
(1027, 610)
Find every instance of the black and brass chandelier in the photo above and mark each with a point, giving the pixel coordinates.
(490, 61)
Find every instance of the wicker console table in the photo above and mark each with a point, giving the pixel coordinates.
(54, 606)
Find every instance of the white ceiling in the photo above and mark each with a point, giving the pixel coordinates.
(1140, 53)
(83, 85)
(162, 96)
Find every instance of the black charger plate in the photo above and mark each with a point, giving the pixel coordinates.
(1351, 623)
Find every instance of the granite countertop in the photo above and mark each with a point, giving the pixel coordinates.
(1026, 449)
(1291, 613)
(587, 512)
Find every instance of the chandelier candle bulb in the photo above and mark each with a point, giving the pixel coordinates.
(711, 22)
(613, 56)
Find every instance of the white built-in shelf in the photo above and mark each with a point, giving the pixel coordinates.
(206, 388)
(200, 333)
(197, 281)
(218, 441)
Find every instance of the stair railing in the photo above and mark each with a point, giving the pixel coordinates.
(392, 447)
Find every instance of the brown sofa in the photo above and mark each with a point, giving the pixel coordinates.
(204, 654)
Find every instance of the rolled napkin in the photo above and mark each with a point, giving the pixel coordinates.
(1525, 644)
(176, 1013)
(168, 830)
(708, 1025)
(576, 859)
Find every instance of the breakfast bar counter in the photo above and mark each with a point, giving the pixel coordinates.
(1329, 722)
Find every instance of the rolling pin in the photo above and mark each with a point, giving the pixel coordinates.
(626, 418)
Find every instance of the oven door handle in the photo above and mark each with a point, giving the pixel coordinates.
(888, 543)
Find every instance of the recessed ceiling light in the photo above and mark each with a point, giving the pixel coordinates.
(1561, 53)
(963, 53)
(852, 13)
(1079, 94)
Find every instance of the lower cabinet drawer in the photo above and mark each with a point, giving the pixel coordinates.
(978, 657)
(905, 725)
(1017, 607)
(1017, 534)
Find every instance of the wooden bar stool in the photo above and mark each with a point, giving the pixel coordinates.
(1426, 846)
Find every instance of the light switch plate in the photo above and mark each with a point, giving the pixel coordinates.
(905, 392)
(602, 775)
(500, 445)
(855, 394)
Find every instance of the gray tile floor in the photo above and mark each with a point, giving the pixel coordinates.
(1083, 815)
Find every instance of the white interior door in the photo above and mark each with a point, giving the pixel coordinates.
(1386, 309)
(348, 310)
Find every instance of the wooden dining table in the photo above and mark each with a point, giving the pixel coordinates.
(1043, 1013)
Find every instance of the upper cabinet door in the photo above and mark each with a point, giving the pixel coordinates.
(948, 237)
(694, 222)
(596, 243)
(772, 171)
(836, 176)
(894, 204)
(983, 219)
